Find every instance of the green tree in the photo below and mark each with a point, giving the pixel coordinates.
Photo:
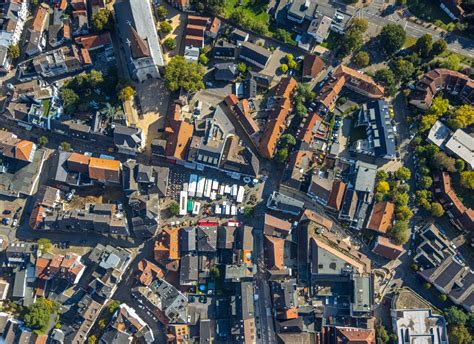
(443, 162)
(102, 324)
(452, 62)
(459, 334)
(424, 45)
(92, 339)
(173, 208)
(215, 272)
(423, 199)
(404, 213)
(437, 209)
(42, 141)
(300, 109)
(126, 93)
(438, 107)
(249, 211)
(305, 92)
(403, 173)
(284, 68)
(403, 69)
(352, 40)
(288, 140)
(439, 47)
(462, 117)
(401, 199)
(113, 305)
(455, 316)
(39, 314)
(467, 179)
(392, 38)
(203, 59)
(382, 175)
(165, 27)
(65, 146)
(69, 99)
(242, 68)
(386, 77)
(13, 51)
(284, 36)
(210, 6)
(102, 20)
(359, 24)
(185, 74)
(44, 244)
(427, 285)
(426, 182)
(443, 297)
(282, 154)
(170, 43)
(382, 187)
(362, 59)
(161, 12)
(460, 165)
(381, 334)
(400, 232)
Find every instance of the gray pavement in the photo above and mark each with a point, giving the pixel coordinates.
(374, 14)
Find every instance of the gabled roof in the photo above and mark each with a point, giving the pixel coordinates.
(274, 249)
(138, 45)
(337, 194)
(23, 150)
(104, 169)
(381, 217)
(312, 66)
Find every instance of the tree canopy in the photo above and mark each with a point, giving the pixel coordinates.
(403, 173)
(437, 209)
(353, 37)
(173, 207)
(467, 179)
(392, 38)
(461, 117)
(455, 316)
(424, 45)
(13, 51)
(362, 59)
(386, 77)
(185, 74)
(126, 93)
(102, 20)
(39, 315)
(400, 232)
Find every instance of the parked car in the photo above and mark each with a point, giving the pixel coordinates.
(6, 212)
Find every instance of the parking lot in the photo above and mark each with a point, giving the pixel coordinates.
(11, 211)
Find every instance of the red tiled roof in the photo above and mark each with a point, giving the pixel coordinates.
(104, 169)
(215, 25)
(381, 217)
(148, 272)
(312, 66)
(178, 134)
(39, 20)
(23, 150)
(274, 248)
(337, 194)
(91, 42)
(385, 248)
(197, 20)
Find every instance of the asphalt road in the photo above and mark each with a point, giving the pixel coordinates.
(374, 14)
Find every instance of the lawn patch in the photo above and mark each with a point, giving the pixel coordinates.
(257, 11)
(409, 41)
